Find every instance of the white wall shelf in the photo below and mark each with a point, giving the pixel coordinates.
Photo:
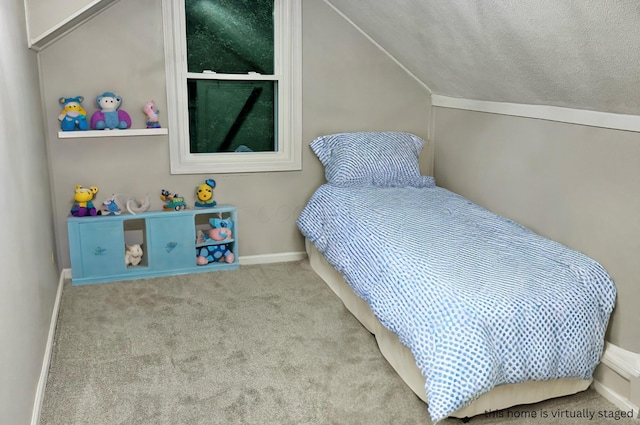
(112, 133)
(52, 34)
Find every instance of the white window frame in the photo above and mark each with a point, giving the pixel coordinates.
(288, 74)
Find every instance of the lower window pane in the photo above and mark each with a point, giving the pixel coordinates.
(232, 116)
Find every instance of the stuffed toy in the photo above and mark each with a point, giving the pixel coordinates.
(110, 116)
(220, 229)
(83, 201)
(151, 112)
(204, 193)
(121, 201)
(73, 115)
(132, 255)
(110, 206)
(218, 250)
(138, 205)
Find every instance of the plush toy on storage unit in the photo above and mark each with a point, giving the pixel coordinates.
(204, 193)
(110, 116)
(73, 116)
(217, 251)
(111, 207)
(172, 201)
(83, 201)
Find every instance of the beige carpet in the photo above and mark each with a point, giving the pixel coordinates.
(268, 344)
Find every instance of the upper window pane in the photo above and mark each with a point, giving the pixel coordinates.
(230, 36)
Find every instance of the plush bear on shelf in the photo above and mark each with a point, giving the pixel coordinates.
(216, 249)
(109, 116)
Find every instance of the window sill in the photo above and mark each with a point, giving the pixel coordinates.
(112, 133)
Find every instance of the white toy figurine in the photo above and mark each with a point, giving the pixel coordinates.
(132, 255)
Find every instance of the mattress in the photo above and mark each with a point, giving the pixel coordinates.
(403, 362)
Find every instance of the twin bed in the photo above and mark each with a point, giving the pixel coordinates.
(475, 312)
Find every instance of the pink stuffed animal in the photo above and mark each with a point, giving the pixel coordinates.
(220, 232)
(152, 114)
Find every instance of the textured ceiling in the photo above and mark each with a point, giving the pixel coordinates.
(582, 54)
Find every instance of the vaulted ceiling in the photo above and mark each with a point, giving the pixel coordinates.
(582, 54)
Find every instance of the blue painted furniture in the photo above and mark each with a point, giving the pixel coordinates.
(168, 239)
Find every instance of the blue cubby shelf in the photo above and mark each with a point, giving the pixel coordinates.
(211, 243)
(168, 239)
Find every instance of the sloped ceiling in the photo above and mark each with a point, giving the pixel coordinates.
(581, 54)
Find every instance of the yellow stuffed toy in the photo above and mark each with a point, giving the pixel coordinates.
(82, 201)
(204, 193)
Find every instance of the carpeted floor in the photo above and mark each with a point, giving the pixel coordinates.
(267, 344)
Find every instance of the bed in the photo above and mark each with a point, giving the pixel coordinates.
(475, 312)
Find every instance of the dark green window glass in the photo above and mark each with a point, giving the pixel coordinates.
(232, 116)
(230, 36)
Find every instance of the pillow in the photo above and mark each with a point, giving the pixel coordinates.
(386, 159)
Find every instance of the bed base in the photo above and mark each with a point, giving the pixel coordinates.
(402, 360)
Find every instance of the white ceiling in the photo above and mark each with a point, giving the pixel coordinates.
(582, 54)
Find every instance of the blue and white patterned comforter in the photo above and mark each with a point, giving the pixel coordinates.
(478, 299)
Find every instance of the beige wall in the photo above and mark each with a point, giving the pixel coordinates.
(29, 278)
(348, 84)
(46, 14)
(575, 184)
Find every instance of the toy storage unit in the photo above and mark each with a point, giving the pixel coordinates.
(168, 239)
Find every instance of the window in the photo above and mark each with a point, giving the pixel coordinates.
(233, 85)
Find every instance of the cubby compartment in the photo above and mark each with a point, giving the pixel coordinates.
(215, 237)
(168, 239)
(135, 233)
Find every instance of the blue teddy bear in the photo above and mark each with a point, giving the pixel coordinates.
(110, 116)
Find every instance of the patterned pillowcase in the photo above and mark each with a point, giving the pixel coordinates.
(386, 159)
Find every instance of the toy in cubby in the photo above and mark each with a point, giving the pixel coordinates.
(83, 201)
(133, 254)
(216, 248)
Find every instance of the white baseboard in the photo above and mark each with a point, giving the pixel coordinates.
(281, 257)
(46, 361)
(626, 365)
(621, 402)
